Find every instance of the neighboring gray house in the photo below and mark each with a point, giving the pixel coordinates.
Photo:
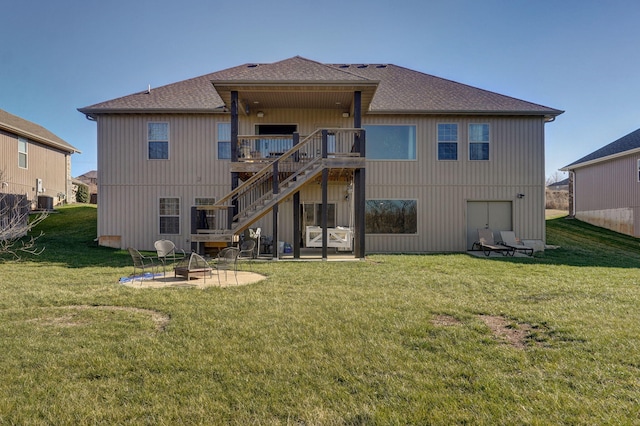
(604, 187)
(34, 162)
(369, 157)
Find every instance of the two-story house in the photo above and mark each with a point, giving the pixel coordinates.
(34, 161)
(368, 157)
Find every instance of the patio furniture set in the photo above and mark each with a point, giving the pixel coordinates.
(192, 265)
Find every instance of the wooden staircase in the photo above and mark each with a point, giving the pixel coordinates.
(279, 179)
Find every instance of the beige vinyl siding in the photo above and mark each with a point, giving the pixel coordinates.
(442, 188)
(43, 162)
(607, 194)
(128, 181)
(608, 185)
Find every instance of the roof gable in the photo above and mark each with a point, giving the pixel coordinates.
(25, 128)
(626, 143)
(393, 89)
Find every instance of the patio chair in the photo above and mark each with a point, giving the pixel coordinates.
(247, 250)
(167, 251)
(141, 262)
(487, 244)
(510, 240)
(227, 261)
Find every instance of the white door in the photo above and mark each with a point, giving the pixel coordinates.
(495, 215)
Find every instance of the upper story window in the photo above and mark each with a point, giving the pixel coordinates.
(158, 141)
(224, 141)
(447, 141)
(638, 170)
(478, 142)
(22, 153)
(391, 142)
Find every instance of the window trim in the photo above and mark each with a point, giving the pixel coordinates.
(488, 142)
(168, 141)
(24, 153)
(457, 142)
(415, 140)
(160, 215)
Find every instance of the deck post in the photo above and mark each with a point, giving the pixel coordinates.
(296, 206)
(325, 209)
(234, 154)
(274, 210)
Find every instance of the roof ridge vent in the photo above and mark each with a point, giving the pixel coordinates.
(363, 66)
(252, 66)
(381, 66)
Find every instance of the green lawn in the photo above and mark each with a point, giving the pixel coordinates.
(394, 339)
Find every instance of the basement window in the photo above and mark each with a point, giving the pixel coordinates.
(169, 217)
(391, 217)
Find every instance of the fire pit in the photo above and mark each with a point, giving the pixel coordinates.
(193, 266)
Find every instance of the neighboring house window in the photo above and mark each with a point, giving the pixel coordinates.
(478, 141)
(391, 217)
(169, 216)
(224, 141)
(206, 218)
(447, 141)
(22, 153)
(158, 140)
(391, 142)
(638, 170)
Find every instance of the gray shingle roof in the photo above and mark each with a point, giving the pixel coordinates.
(400, 90)
(19, 126)
(619, 146)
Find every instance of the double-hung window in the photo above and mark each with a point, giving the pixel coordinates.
(391, 142)
(638, 170)
(22, 153)
(158, 141)
(224, 141)
(447, 141)
(169, 215)
(478, 142)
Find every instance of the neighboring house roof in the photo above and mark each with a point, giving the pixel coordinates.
(561, 183)
(93, 174)
(386, 88)
(625, 145)
(21, 127)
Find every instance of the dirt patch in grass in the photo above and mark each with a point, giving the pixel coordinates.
(514, 334)
(69, 319)
(445, 320)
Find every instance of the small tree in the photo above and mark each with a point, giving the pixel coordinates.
(82, 196)
(15, 224)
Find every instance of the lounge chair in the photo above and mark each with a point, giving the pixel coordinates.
(487, 244)
(509, 239)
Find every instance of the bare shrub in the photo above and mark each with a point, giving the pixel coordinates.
(556, 200)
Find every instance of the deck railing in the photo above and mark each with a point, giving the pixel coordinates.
(286, 157)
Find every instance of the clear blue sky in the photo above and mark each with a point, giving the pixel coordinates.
(581, 56)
